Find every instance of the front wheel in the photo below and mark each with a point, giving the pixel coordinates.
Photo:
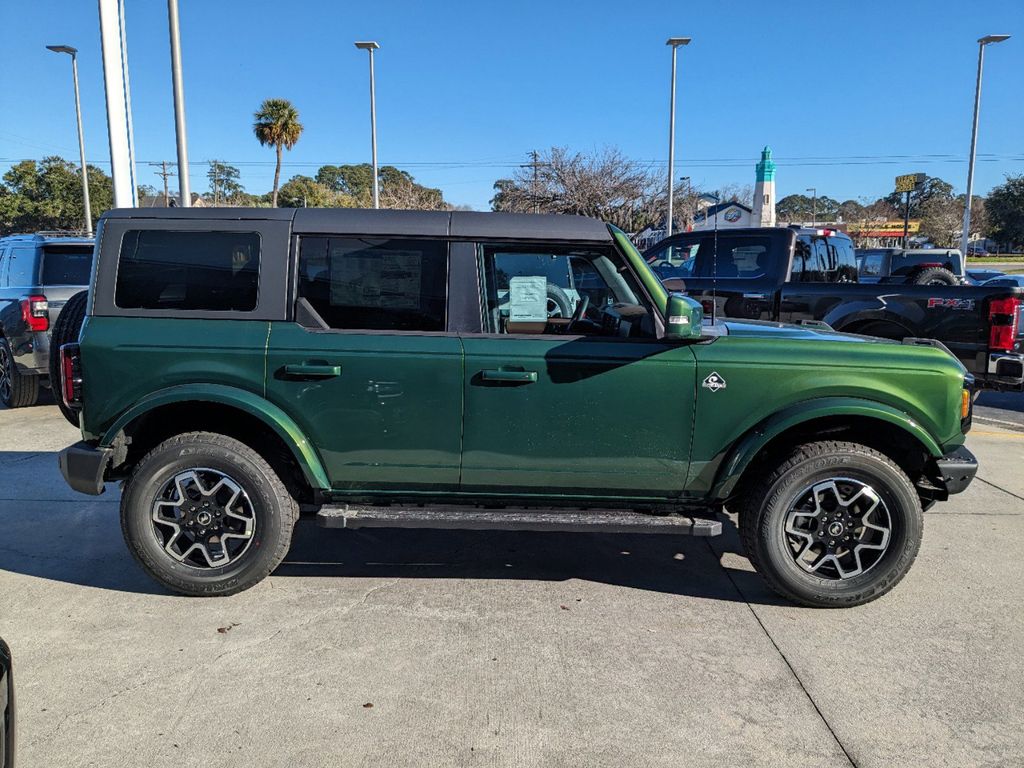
(206, 515)
(834, 524)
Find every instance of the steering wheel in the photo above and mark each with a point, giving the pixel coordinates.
(581, 311)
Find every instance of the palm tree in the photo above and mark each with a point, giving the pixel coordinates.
(276, 122)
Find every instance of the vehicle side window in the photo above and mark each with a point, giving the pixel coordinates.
(808, 262)
(531, 289)
(67, 265)
(208, 271)
(3, 267)
(871, 264)
(22, 267)
(841, 255)
(375, 283)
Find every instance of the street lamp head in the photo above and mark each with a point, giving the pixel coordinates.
(367, 45)
(993, 39)
(63, 49)
(677, 41)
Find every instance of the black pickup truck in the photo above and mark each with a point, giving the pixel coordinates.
(798, 275)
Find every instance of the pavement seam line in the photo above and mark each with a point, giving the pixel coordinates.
(993, 485)
(778, 650)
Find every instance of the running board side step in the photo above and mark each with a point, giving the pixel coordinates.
(514, 519)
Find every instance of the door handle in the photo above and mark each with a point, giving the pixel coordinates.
(758, 296)
(311, 371)
(509, 377)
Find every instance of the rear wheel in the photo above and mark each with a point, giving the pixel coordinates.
(17, 388)
(204, 514)
(65, 331)
(834, 524)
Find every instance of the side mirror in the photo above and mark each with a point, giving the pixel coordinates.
(683, 318)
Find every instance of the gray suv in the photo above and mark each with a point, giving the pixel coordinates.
(38, 274)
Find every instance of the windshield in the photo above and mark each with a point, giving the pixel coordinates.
(67, 264)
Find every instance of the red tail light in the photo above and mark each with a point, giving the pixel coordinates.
(71, 376)
(1004, 319)
(35, 311)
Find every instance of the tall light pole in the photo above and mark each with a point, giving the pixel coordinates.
(184, 190)
(814, 205)
(982, 42)
(370, 47)
(73, 53)
(675, 42)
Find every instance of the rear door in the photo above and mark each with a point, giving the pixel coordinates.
(365, 364)
(602, 408)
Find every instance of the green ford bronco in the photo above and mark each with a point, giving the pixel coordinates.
(416, 369)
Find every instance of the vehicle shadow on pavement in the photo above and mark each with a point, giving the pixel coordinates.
(680, 565)
(49, 532)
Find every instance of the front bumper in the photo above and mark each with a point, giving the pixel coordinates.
(84, 465)
(956, 470)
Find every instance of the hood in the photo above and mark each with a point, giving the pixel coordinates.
(769, 330)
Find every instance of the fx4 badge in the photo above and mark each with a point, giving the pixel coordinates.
(714, 382)
(963, 304)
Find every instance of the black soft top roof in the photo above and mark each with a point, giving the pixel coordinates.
(363, 221)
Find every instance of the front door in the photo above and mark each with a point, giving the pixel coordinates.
(367, 369)
(585, 404)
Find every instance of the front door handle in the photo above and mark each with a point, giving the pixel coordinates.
(311, 371)
(509, 377)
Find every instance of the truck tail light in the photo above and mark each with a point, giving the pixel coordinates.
(1004, 320)
(71, 376)
(35, 311)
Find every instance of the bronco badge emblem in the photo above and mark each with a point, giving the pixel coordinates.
(714, 382)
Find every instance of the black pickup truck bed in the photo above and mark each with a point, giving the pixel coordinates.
(792, 275)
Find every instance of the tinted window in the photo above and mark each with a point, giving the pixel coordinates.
(375, 284)
(22, 269)
(209, 271)
(67, 264)
(731, 256)
(871, 264)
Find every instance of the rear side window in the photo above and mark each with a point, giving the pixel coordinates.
(375, 284)
(208, 271)
(67, 264)
(22, 270)
(871, 264)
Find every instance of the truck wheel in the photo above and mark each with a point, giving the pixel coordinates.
(17, 389)
(206, 515)
(834, 524)
(936, 276)
(65, 331)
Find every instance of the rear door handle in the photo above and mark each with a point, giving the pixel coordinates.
(509, 377)
(311, 371)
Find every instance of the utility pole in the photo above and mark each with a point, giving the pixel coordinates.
(215, 171)
(535, 164)
(814, 206)
(184, 191)
(164, 174)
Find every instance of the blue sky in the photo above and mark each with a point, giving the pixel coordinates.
(847, 94)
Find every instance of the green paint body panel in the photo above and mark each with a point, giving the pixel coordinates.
(392, 420)
(609, 416)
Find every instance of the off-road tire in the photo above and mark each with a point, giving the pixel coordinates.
(274, 509)
(23, 388)
(936, 276)
(65, 331)
(763, 511)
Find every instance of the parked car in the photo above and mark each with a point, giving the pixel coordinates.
(6, 706)
(38, 274)
(237, 364)
(1006, 281)
(789, 275)
(979, 276)
(918, 266)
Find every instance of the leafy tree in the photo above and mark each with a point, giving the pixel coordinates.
(304, 192)
(276, 123)
(932, 188)
(224, 184)
(398, 189)
(48, 195)
(796, 208)
(1005, 209)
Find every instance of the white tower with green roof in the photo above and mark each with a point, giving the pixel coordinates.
(764, 191)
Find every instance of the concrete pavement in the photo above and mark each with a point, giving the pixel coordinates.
(496, 649)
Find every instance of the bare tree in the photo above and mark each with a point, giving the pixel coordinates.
(606, 185)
